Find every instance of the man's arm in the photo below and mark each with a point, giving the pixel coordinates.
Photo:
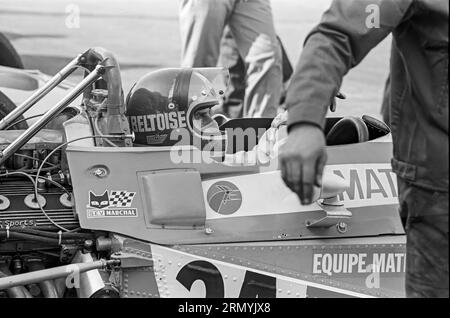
(347, 32)
(342, 39)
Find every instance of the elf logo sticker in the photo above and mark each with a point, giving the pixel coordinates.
(114, 203)
(224, 197)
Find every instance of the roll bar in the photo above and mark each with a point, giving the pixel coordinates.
(99, 63)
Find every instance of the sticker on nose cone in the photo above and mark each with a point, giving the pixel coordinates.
(224, 197)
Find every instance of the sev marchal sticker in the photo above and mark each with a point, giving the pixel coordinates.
(111, 204)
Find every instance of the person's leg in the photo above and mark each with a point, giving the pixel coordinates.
(252, 25)
(385, 106)
(230, 58)
(287, 71)
(425, 214)
(201, 27)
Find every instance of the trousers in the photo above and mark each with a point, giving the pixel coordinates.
(424, 214)
(202, 23)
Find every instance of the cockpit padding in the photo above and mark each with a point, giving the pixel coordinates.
(376, 127)
(348, 130)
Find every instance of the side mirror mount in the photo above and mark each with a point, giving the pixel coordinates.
(332, 186)
(327, 197)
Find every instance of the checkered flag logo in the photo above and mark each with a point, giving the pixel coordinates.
(121, 199)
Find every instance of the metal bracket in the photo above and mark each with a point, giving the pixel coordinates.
(129, 260)
(334, 213)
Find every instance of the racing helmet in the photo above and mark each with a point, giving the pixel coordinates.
(165, 106)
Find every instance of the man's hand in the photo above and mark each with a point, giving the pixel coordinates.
(302, 159)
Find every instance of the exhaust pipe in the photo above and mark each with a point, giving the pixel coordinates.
(92, 285)
(16, 291)
(115, 120)
(47, 287)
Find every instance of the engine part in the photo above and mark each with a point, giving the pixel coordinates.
(104, 243)
(52, 273)
(79, 127)
(61, 177)
(4, 203)
(47, 287)
(31, 154)
(101, 64)
(17, 265)
(91, 282)
(115, 120)
(14, 291)
(18, 214)
(66, 200)
(34, 290)
(61, 287)
(33, 202)
(51, 113)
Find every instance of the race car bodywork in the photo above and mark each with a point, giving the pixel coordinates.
(164, 222)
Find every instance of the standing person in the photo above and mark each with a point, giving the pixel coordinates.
(418, 118)
(233, 104)
(202, 23)
(230, 58)
(386, 102)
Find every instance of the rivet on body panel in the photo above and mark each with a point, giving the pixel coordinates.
(208, 230)
(342, 227)
(99, 171)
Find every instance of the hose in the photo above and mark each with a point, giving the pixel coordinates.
(85, 236)
(11, 234)
(22, 120)
(49, 155)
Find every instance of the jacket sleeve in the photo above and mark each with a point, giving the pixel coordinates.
(349, 29)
